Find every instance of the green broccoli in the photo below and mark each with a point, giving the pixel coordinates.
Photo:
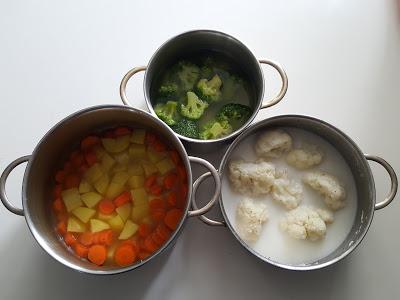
(187, 74)
(215, 129)
(168, 89)
(231, 84)
(234, 113)
(206, 72)
(194, 108)
(209, 90)
(186, 128)
(167, 112)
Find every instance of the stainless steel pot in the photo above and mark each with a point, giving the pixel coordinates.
(186, 43)
(58, 142)
(358, 163)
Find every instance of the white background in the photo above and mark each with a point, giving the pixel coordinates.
(342, 59)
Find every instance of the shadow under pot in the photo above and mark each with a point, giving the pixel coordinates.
(191, 46)
(341, 158)
(38, 198)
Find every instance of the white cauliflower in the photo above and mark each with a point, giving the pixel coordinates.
(304, 158)
(273, 143)
(328, 186)
(326, 215)
(250, 216)
(287, 192)
(251, 178)
(303, 223)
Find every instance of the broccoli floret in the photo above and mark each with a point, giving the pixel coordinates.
(206, 72)
(209, 90)
(215, 129)
(234, 112)
(194, 108)
(168, 89)
(187, 128)
(167, 112)
(187, 73)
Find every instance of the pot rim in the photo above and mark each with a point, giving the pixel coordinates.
(37, 235)
(235, 133)
(315, 265)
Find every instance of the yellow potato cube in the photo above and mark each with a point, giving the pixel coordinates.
(93, 173)
(135, 169)
(165, 165)
(149, 168)
(120, 177)
(75, 225)
(119, 168)
(71, 198)
(124, 211)
(114, 189)
(101, 184)
(107, 162)
(139, 196)
(91, 199)
(139, 212)
(129, 230)
(136, 181)
(116, 223)
(155, 156)
(122, 158)
(137, 151)
(83, 213)
(116, 145)
(138, 136)
(85, 187)
(105, 217)
(98, 225)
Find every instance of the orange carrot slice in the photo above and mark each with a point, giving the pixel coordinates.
(123, 198)
(106, 237)
(97, 254)
(170, 181)
(173, 217)
(144, 230)
(106, 207)
(120, 131)
(90, 141)
(69, 239)
(86, 238)
(124, 256)
(80, 250)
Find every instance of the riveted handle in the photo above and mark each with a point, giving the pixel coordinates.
(393, 180)
(214, 173)
(203, 218)
(3, 180)
(284, 87)
(124, 81)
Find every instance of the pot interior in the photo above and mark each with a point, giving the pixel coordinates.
(352, 156)
(54, 148)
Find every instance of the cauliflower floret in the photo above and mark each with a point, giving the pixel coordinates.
(273, 143)
(250, 215)
(303, 223)
(304, 158)
(287, 192)
(251, 178)
(325, 215)
(328, 186)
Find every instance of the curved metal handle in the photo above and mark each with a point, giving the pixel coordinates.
(124, 81)
(285, 81)
(3, 179)
(393, 180)
(194, 204)
(217, 192)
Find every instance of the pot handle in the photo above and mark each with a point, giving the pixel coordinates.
(3, 179)
(284, 87)
(393, 180)
(124, 81)
(194, 204)
(200, 211)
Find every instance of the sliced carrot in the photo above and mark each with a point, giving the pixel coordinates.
(156, 203)
(62, 217)
(60, 176)
(173, 217)
(90, 158)
(89, 142)
(77, 159)
(61, 228)
(155, 189)
(96, 238)
(106, 207)
(172, 198)
(120, 131)
(69, 239)
(175, 157)
(123, 198)
(163, 231)
(148, 183)
(97, 254)
(68, 167)
(86, 238)
(81, 250)
(58, 206)
(132, 243)
(159, 146)
(124, 256)
(150, 138)
(144, 230)
(106, 237)
(71, 181)
(170, 181)
(57, 191)
(150, 245)
(143, 255)
(157, 239)
(158, 214)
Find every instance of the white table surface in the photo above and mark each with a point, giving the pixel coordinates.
(342, 59)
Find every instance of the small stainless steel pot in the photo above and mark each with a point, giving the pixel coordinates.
(58, 142)
(186, 43)
(358, 163)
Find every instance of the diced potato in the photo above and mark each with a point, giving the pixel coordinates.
(136, 181)
(154, 156)
(98, 225)
(83, 213)
(74, 225)
(122, 158)
(101, 184)
(138, 136)
(105, 217)
(139, 212)
(124, 211)
(130, 229)
(120, 177)
(116, 223)
(85, 187)
(107, 162)
(149, 168)
(93, 173)
(116, 145)
(165, 165)
(91, 199)
(139, 196)
(137, 151)
(119, 168)
(135, 169)
(114, 189)
(71, 198)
